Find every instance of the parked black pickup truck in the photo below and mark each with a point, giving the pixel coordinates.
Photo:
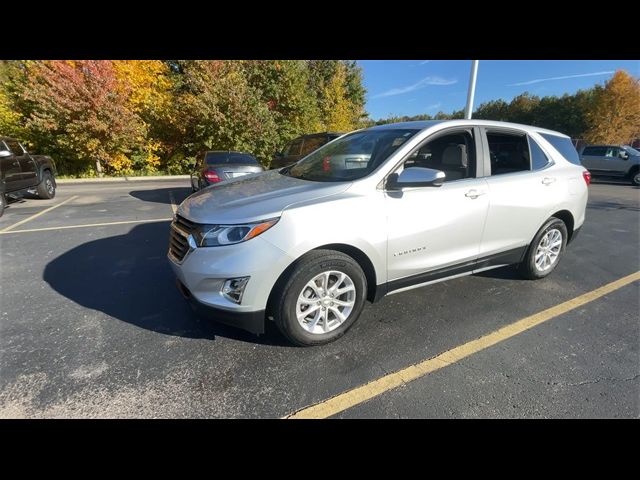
(20, 170)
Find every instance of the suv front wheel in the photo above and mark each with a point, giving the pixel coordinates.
(321, 298)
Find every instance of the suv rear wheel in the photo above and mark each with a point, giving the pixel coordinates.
(545, 250)
(321, 298)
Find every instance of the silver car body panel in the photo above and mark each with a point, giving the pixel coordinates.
(403, 234)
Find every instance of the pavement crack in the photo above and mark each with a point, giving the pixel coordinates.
(603, 379)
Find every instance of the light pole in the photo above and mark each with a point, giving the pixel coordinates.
(472, 89)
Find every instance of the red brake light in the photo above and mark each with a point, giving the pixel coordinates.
(587, 177)
(212, 176)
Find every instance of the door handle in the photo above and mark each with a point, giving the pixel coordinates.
(548, 180)
(473, 194)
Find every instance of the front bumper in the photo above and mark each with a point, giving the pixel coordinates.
(250, 321)
(203, 271)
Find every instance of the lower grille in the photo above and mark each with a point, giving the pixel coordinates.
(181, 228)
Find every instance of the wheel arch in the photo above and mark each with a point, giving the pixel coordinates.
(46, 168)
(567, 217)
(355, 253)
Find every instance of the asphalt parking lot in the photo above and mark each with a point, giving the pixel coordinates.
(92, 325)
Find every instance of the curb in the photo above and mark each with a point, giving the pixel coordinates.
(63, 181)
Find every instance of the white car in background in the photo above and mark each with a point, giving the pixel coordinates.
(307, 245)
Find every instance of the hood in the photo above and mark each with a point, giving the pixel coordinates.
(253, 198)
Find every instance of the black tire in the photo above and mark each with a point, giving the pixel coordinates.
(634, 176)
(3, 203)
(47, 187)
(300, 273)
(528, 267)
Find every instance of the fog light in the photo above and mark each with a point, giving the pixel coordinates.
(233, 288)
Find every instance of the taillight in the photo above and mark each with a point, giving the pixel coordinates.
(212, 176)
(587, 177)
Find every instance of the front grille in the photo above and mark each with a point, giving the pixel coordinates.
(181, 228)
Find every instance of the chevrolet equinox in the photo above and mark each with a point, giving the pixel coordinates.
(375, 212)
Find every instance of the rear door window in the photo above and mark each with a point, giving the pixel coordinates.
(612, 152)
(509, 152)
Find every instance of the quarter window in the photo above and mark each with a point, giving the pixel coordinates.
(564, 147)
(538, 158)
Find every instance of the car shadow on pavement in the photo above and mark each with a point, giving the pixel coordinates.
(162, 195)
(510, 272)
(128, 277)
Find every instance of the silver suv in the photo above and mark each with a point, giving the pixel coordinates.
(307, 245)
(619, 161)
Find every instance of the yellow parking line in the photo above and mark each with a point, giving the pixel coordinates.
(3, 232)
(11, 227)
(174, 207)
(377, 387)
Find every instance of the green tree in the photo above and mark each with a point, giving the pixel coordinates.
(216, 108)
(283, 86)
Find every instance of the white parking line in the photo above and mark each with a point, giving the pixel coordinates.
(28, 219)
(152, 220)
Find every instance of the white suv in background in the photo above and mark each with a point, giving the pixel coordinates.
(306, 245)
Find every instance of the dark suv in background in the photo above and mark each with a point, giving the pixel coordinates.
(301, 147)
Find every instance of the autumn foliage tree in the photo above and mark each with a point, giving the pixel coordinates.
(130, 116)
(78, 109)
(615, 118)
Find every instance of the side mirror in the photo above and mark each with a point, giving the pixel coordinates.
(279, 155)
(623, 154)
(416, 177)
(5, 153)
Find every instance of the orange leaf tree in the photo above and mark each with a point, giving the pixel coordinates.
(615, 118)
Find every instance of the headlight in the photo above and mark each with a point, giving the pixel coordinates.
(218, 235)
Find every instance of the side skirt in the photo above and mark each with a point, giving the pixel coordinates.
(454, 271)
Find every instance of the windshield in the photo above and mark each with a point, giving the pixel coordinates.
(233, 158)
(631, 150)
(351, 157)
